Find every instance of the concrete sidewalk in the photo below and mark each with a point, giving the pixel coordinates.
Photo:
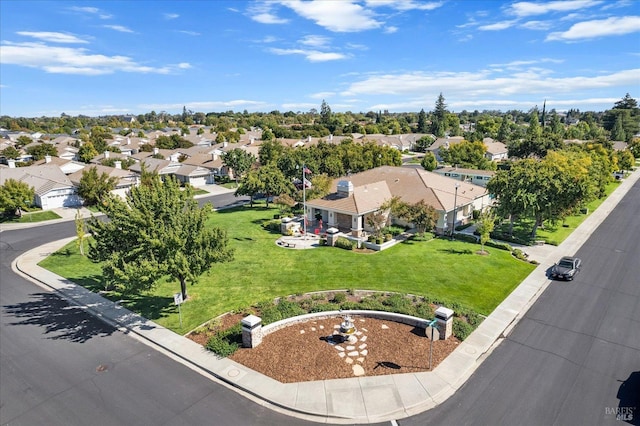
(357, 400)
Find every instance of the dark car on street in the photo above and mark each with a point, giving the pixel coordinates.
(567, 268)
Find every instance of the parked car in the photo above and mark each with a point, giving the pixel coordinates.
(567, 268)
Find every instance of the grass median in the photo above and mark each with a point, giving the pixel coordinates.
(439, 268)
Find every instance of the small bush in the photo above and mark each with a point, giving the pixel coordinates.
(339, 298)
(461, 328)
(388, 237)
(344, 243)
(501, 246)
(519, 254)
(475, 214)
(371, 238)
(324, 307)
(270, 315)
(379, 241)
(289, 309)
(225, 343)
(272, 225)
(350, 306)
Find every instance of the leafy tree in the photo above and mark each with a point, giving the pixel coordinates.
(628, 112)
(238, 160)
(503, 131)
(634, 147)
(270, 151)
(468, 154)
(484, 226)
(80, 231)
(23, 140)
(429, 162)
(423, 143)
(95, 188)
(15, 196)
(87, 152)
(285, 201)
(423, 126)
(438, 123)
(160, 230)
(626, 160)
(10, 153)
(617, 133)
(325, 113)
(125, 163)
(273, 181)
(172, 142)
(38, 152)
(250, 185)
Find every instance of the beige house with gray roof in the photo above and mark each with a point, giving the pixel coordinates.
(354, 198)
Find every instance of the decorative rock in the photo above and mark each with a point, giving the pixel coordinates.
(385, 327)
(349, 361)
(313, 329)
(301, 331)
(360, 360)
(353, 354)
(363, 339)
(336, 326)
(340, 348)
(361, 319)
(322, 327)
(362, 346)
(350, 348)
(341, 354)
(364, 352)
(358, 370)
(364, 329)
(358, 333)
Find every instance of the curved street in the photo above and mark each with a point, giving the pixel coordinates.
(574, 358)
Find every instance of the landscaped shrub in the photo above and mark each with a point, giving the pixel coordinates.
(324, 307)
(475, 214)
(393, 230)
(371, 238)
(226, 342)
(388, 237)
(461, 328)
(379, 241)
(272, 225)
(350, 306)
(501, 246)
(289, 309)
(519, 254)
(399, 303)
(372, 304)
(339, 298)
(344, 243)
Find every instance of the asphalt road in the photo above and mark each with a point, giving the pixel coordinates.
(574, 359)
(62, 366)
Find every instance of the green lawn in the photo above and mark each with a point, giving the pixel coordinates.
(38, 216)
(442, 269)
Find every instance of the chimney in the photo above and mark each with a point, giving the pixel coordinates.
(156, 151)
(330, 137)
(47, 158)
(128, 141)
(12, 163)
(309, 138)
(117, 164)
(106, 154)
(225, 144)
(251, 141)
(345, 188)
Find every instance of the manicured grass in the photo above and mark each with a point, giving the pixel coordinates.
(442, 269)
(556, 233)
(40, 216)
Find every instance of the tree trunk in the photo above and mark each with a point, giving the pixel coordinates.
(511, 221)
(183, 288)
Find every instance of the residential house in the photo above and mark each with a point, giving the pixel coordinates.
(496, 151)
(193, 175)
(53, 189)
(445, 143)
(125, 179)
(353, 199)
(162, 167)
(477, 177)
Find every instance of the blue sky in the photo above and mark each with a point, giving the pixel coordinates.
(110, 57)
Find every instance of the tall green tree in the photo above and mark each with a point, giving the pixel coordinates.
(87, 152)
(485, 225)
(38, 152)
(15, 196)
(95, 188)
(239, 161)
(468, 154)
(439, 120)
(429, 162)
(10, 153)
(160, 230)
(423, 126)
(273, 181)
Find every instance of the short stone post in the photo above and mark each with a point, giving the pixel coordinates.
(444, 324)
(251, 331)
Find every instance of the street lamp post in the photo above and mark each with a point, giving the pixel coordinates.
(455, 212)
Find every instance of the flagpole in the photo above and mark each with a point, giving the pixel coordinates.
(304, 201)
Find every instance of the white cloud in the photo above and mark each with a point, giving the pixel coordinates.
(52, 37)
(67, 60)
(119, 28)
(529, 62)
(390, 30)
(315, 41)
(322, 95)
(404, 5)
(337, 16)
(599, 28)
(473, 85)
(526, 8)
(497, 26)
(536, 25)
(184, 65)
(206, 105)
(262, 13)
(91, 11)
(170, 16)
(310, 55)
(191, 33)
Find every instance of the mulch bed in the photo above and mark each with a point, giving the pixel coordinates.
(305, 352)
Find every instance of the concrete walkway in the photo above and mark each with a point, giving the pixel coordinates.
(357, 400)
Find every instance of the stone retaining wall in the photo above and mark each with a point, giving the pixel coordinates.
(389, 316)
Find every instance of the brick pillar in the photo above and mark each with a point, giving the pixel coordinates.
(444, 324)
(251, 331)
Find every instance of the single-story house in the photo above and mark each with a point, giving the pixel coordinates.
(125, 179)
(478, 177)
(354, 198)
(194, 175)
(53, 189)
